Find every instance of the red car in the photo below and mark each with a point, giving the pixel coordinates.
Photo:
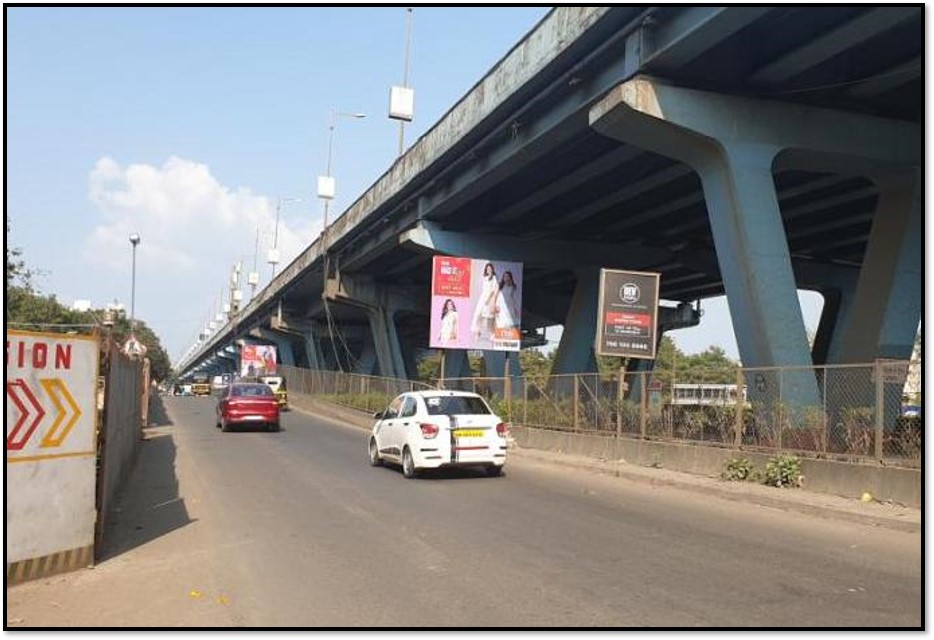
(248, 403)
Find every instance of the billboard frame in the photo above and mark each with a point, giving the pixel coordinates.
(650, 280)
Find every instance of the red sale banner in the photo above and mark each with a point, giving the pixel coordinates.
(451, 277)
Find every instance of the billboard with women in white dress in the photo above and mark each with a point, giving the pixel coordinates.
(476, 304)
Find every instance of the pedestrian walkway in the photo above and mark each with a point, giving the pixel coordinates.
(890, 515)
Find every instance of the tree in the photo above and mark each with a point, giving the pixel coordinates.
(26, 306)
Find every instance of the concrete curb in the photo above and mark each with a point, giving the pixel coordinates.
(890, 516)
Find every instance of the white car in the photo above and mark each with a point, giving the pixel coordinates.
(432, 429)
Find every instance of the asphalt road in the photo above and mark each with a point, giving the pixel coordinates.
(305, 533)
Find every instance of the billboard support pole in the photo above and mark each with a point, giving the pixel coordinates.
(507, 389)
(441, 375)
(619, 401)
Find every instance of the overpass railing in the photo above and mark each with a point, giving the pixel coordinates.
(851, 412)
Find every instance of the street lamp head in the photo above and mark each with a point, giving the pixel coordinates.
(134, 239)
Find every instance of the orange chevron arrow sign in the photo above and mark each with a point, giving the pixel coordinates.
(53, 436)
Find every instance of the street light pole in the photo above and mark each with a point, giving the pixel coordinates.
(134, 240)
(405, 72)
(275, 241)
(326, 190)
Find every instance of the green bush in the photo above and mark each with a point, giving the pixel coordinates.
(737, 469)
(783, 471)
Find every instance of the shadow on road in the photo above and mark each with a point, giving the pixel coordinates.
(158, 417)
(148, 505)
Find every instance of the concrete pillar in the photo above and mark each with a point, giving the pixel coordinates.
(313, 350)
(386, 342)
(494, 363)
(888, 296)
(366, 364)
(456, 364)
(732, 143)
(575, 351)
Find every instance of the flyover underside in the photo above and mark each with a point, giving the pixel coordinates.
(588, 166)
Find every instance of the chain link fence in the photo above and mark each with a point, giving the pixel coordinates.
(846, 412)
(367, 393)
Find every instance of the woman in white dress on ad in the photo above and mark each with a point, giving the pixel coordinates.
(448, 332)
(507, 306)
(484, 314)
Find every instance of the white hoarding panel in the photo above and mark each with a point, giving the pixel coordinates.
(476, 304)
(51, 418)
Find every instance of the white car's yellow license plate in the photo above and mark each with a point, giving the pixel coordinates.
(468, 433)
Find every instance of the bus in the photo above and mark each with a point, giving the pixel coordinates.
(705, 395)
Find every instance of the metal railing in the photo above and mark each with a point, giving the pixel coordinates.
(848, 412)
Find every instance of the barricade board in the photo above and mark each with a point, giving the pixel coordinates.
(51, 418)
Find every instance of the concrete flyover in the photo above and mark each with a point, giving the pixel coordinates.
(745, 151)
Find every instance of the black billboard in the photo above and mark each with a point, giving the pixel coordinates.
(627, 318)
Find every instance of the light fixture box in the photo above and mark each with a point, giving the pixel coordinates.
(326, 187)
(272, 257)
(252, 278)
(401, 103)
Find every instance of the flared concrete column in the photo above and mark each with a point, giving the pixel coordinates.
(887, 301)
(494, 362)
(575, 351)
(313, 350)
(366, 363)
(732, 143)
(386, 342)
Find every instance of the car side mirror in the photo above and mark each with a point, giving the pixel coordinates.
(378, 415)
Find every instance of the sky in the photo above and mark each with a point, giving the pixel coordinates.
(188, 125)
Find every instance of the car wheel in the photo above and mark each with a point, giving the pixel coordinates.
(225, 427)
(408, 464)
(375, 460)
(494, 470)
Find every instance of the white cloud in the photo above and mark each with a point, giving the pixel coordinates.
(193, 229)
(185, 217)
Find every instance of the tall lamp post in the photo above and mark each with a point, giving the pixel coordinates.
(134, 240)
(326, 186)
(273, 256)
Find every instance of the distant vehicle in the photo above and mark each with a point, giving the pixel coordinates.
(911, 411)
(433, 429)
(277, 384)
(200, 385)
(705, 394)
(219, 383)
(248, 403)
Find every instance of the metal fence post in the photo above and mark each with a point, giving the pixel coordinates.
(781, 408)
(643, 403)
(619, 401)
(740, 409)
(825, 440)
(880, 402)
(525, 401)
(576, 425)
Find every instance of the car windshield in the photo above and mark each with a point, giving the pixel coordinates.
(250, 390)
(455, 405)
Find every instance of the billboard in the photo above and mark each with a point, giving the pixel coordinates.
(475, 304)
(627, 314)
(257, 360)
